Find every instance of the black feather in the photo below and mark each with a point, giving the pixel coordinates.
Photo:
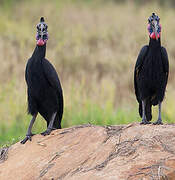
(151, 75)
(43, 87)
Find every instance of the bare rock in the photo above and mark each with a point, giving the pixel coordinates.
(94, 153)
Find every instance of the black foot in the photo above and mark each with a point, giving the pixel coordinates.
(47, 132)
(144, 122)
(28, 137)
(158, 122)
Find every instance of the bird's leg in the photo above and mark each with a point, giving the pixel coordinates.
(29, 131)
(144, 120)
(50, 126)
(159, 121)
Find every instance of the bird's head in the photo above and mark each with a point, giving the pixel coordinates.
(42, 33)
(154, 28)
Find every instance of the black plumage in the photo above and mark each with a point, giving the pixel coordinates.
(43, 88)
(151, 76)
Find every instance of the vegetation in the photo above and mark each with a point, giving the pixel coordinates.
(94, 46)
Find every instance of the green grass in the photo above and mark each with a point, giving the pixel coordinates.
(17, 130)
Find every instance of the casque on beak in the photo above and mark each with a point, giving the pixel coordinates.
(155, 28)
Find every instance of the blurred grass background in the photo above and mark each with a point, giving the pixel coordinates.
(93, 45)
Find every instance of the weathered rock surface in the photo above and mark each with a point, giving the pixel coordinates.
(94, 153)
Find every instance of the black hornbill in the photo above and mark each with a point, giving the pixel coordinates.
(151, 73)
(43, 86)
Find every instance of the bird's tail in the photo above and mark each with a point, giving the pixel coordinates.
(140, 109)
(57, 122)
(58, 118)
(148, 110)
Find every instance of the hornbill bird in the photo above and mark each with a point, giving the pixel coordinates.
(151, 73)
(43, 86)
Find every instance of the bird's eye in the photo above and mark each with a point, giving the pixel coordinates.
(44, 36)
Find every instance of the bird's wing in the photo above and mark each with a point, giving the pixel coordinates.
(138, 66)
(26, 70)
(165, 62)
(51, 75)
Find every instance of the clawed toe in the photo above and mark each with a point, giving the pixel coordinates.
(158, 122)
(24, 140)
(47, 132)
(28, 137)
(144, 122)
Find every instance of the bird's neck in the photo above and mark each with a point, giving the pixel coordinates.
(154, 44)
(39, 52)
